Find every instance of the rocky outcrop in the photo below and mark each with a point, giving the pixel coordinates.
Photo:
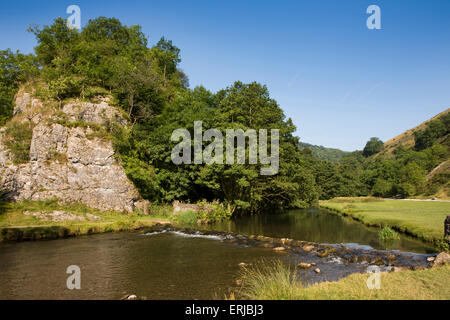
(69, 161)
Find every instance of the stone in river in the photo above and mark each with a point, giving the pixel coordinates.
(304, 265)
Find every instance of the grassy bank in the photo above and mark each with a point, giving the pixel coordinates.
(276, 281)
(421, 219)
(16, 226)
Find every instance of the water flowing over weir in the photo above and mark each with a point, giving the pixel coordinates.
(178, 263)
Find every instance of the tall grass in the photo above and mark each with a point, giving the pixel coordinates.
(276, 281)
(388, 234)
(270, 280)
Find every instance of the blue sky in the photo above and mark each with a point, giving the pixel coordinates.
(340, 82)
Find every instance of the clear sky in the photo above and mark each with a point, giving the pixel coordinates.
(340, 82)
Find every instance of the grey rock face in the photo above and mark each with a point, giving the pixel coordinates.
(70, 164)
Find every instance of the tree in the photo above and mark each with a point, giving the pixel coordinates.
(373, 146)
(15, 68)
(168, 56)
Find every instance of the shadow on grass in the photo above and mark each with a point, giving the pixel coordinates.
(34, 233)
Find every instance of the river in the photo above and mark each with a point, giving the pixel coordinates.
(176, 265)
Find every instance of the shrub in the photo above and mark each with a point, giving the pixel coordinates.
(18, 140)
(213, 212)
(388, 234)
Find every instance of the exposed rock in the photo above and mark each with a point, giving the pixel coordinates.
(59, 216)
(308, 248)
(317, 270)
(286, 241)
(98, 113)
(70, 163)
(130, 297)
(397, 269)
(143, 206)
(431, 259)
(279, 249)
(441, 259)
(304, 265)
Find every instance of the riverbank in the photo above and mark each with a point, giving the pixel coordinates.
(421, 219)
(39, 220)
(278, 282)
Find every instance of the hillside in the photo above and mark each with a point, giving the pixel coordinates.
(406, 139)
(323, 153)
(422, 158)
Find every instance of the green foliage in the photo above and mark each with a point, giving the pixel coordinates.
(18, 140)
(434, 130)
(15, 68)
(323, 153)
(373, 146)
(213, 212)
(388, 234)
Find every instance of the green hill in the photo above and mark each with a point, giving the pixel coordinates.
(323, 153)
(415, 163)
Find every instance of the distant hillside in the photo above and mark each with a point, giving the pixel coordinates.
(406, 139)
(323, 153)
(423, 151)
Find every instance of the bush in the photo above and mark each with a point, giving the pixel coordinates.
(388, 234)
(18, 140)
(213, 212)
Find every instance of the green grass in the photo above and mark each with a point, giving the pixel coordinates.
(421, 219)
(388, 234)
(188, 217)
(275, 281)
(14, 225)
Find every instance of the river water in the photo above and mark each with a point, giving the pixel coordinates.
(175, 265)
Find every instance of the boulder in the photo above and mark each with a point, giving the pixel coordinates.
(441, 259)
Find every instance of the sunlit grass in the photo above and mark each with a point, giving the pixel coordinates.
(276, 281)
(15, 225)
(422, 219)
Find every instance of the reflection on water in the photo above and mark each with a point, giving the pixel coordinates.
(161, 266)
(318, 226)
(173, 265)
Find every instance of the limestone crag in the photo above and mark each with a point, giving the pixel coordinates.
(69, 162)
